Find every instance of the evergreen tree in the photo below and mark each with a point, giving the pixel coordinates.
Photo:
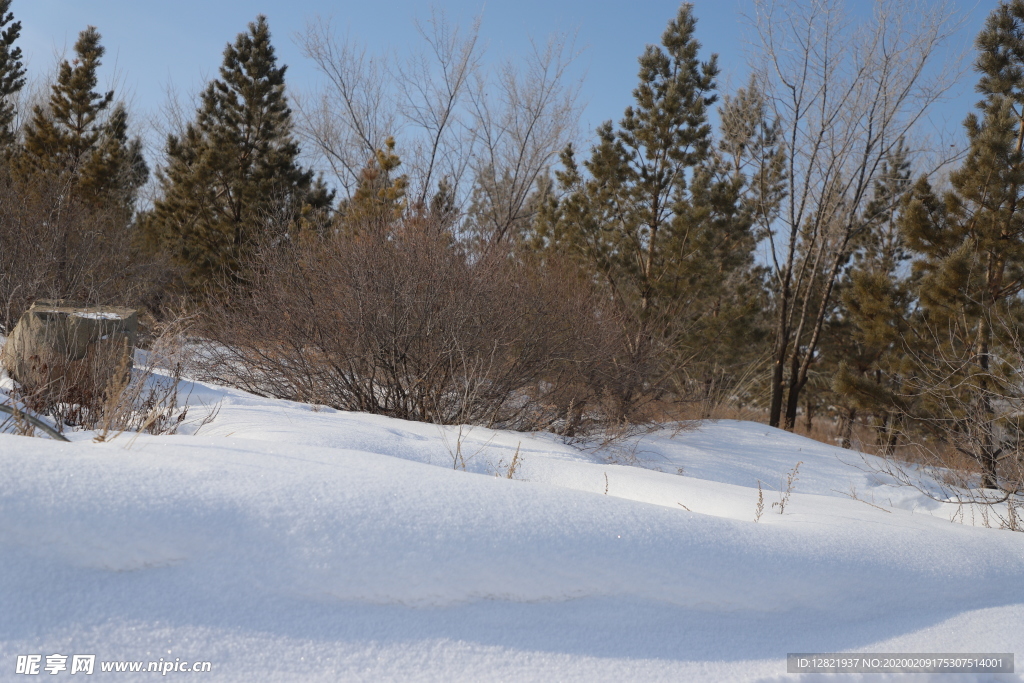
(77, 143)
(639, 172)
(657, 213)
(380, 196)
(12, 72)
(60, 137)
(233, 179)
(969, 248)
(864, 338)
(741, 178)
(78, 167)
(116, 169)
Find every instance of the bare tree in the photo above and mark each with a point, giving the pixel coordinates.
(845, 94)
(398, 322)
(960, 425)
(489, 133)
(57, 245)
(522, 121)
(432, 85)
(349, 120)
(950, 402)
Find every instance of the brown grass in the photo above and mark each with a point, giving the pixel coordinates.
(90, 396)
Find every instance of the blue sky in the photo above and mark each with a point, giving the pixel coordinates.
(153, 44)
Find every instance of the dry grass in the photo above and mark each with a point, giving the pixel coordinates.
(759, 509)
(953, 467)
(141, 399)
(786, 490)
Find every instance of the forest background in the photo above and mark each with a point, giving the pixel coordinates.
(437, 233)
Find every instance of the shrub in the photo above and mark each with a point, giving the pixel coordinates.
(400, 321)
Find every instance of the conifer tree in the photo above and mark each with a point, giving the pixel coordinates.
(656, 212)
(969, 247)
(77, 142)
(12, 72)
(61, 136)
(79, 168)
(864, 338)
(380, 196)
(741, 178)
(620, 212)
(640, 170)
(116, 168)
(232, 178)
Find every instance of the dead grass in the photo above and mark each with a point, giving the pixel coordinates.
(143, 399)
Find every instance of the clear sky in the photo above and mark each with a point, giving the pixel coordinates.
(151, 44)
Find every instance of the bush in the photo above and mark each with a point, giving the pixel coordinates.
(401, 322)
(55, 245)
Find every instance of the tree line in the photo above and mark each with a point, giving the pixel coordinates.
(431, 239)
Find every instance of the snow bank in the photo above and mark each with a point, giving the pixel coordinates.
(284, 542)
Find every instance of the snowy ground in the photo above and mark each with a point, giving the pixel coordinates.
(290, 542)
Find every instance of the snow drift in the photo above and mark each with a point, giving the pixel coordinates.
(294, 542)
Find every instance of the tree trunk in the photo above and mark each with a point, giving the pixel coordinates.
(989, 476)
(845, 436)
(887, 435)
(792, 404)
(892, 436)
(778, 366)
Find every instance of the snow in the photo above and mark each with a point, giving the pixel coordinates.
(284, 541)
(97, 315)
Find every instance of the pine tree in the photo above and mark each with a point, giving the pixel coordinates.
(232, 178)
(969, 248)
(12, 72)
(380, 196)
(77, 142)
(116, 169)
(79, 168)
(740, 179)
(639, 171)
(60, 137)
(657, 213)
(864, 337)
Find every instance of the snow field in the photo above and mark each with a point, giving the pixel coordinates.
(288, 542)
